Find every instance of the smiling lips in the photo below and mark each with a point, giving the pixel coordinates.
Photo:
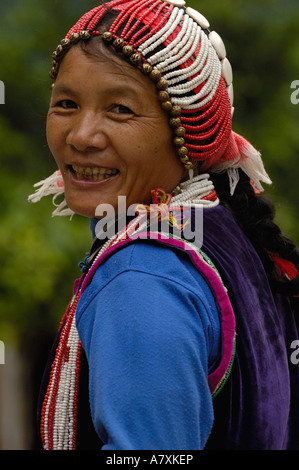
(92, 173)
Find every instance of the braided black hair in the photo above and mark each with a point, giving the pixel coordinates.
(255, 214)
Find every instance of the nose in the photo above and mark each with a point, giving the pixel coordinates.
(86, 133)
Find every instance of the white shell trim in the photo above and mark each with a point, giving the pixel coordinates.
(198, 17)
(177, 3)
(218, 44)
(230, 91)
(227, 71)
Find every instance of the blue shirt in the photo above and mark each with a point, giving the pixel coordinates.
(150, 329)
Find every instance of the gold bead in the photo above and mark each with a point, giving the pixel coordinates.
(180, 131)
(183, 151)
(65, 42)
(118, 43)
(176, 111)
(59, 50)
(162, 84)
(135, 59)
(175, 122)
(53, 73)
(128, 50)
(163, 96)
(107, 36)
(84, 34)
(74, 37)
(167, 105)
(184, 159)
(54, 55)
(146, 68)
(155, 75)
(179, 141)
(188, 165)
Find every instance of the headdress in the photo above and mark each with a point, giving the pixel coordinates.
(173, 45)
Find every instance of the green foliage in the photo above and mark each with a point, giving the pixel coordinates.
(39, 254)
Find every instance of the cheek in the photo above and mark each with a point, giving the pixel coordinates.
(54, 135)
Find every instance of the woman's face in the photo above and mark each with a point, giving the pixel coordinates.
(108, 134)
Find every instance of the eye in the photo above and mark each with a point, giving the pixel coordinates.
(120, 109)
(66, 104)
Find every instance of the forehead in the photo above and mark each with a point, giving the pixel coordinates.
(103, 70)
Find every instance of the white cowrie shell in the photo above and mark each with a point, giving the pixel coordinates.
(230, 91)
(176, 3)
(227, 71)
(218, 44)
(198, 17)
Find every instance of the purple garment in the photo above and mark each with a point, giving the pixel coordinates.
(258, 407)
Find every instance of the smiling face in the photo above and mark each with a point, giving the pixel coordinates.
(108, 133)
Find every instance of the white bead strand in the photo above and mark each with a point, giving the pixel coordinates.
(170, 50)
(162, 35)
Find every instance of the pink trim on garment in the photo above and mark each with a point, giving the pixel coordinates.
(219, 375)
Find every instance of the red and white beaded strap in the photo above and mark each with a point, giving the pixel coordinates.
(58, 422)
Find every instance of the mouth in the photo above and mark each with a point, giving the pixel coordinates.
(92, 173)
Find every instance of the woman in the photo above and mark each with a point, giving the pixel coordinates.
(185, 308)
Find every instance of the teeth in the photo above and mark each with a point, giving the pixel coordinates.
(93, 174)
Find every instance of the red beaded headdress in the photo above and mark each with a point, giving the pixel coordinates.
(174, 46)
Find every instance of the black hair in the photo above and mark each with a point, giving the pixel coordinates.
(255, 214)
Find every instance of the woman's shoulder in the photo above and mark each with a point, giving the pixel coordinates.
(151, 258)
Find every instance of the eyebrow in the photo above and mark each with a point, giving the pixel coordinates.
(118, 90)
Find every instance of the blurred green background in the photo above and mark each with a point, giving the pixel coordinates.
(40, 254)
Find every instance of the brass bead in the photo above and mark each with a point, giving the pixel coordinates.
(146, 68)
(163, 96)
(162, 84)
(183, 151)
(184, 159)
(180, 131)
(54, 55)
(175, 122)
(59, 50)
(74, 37)
(128, 50)
(65, 42)
(53, 73)
(167, 105)
(188, 165)
(176, 111)
(84, 34)
(118, 43)
(135, 59)
(179, 141)
(107, 36)
(155, 75)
